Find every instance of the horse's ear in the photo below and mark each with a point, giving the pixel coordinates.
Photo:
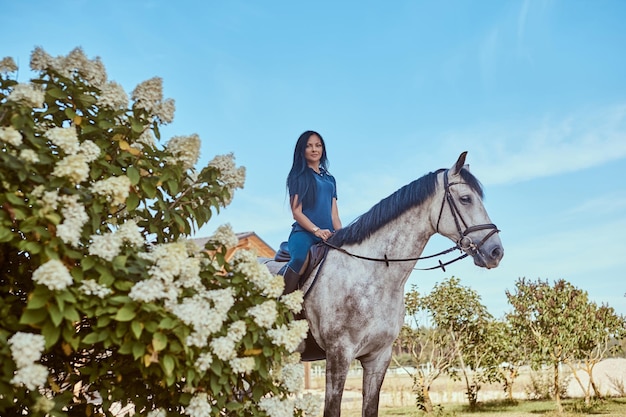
(459, 163)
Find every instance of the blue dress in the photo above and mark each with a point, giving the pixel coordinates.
(320, 213)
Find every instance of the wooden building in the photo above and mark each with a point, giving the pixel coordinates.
(247, 240)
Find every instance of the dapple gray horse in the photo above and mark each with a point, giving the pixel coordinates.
(354, 300)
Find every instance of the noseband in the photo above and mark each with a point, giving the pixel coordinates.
(463, 243)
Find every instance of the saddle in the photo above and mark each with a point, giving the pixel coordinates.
(312, 350)
(317, 253)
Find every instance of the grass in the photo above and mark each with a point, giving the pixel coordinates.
(397, 399)
(613, 407)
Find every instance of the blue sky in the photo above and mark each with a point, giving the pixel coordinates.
(534, 90)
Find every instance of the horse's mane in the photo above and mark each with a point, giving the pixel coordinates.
(390, 208)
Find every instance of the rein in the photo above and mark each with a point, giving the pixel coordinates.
(464, 243)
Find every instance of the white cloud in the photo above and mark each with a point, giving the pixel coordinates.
(514, 152)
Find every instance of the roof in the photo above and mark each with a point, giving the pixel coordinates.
(247, 240)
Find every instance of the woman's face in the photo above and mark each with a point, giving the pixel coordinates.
(314, 150)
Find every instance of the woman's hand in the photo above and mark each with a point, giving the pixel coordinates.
(323, 233)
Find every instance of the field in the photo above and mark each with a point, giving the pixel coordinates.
(397, 398)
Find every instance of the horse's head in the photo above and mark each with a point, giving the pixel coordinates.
(462, 217)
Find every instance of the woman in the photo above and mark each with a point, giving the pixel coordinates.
(313, 200)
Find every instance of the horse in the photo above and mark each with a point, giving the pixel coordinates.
(354, 299)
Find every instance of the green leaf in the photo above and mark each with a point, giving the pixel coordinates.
(138, 350)
(137, 329)
(56, 315)
(133, 175)
(126, 313)
(168, 364)
(167, 323)
(88, 262)
(149, 189)
(136, 126)
(159, 341)
(71, 314)
(38, 298)
(91, 338)
(233, 406)
(33, 316)
(51, 333)
(132, 202)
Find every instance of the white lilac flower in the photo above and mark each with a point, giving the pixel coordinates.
(7, 64)
(10, 135)
(115, 189)
(289, 336)
(74, 218)
(27, 94)
(185, 150)
(26, 348)
(73, 167)
(309, 403)
(293, 301)
(199, 406)
(277, 407)
(264, 314)
(243, 365)
(151, 290)
(29, 155)
(129, 232)
(66, 138)
(53, 274)
(237, 330)
(148, 94)
(231, 176)
(89, 150)
(49, 200)
(105, 246)
(225, 236)
(223, 348)
(94, 72)
(113, 96)
(159, 412)
(91, 287)
(40, 60)
(246, 263)
(165, 111)
(77, 63)
(273, 285)
(292, 377)
(204, 361)
(205, 321)
(32, 376)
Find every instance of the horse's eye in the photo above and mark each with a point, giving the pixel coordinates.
(465, 199)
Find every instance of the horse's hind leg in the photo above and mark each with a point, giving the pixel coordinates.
(374, 370)
(337, 366)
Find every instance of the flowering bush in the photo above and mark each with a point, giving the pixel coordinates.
(106, 308)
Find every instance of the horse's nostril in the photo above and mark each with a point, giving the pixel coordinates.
(496, 253)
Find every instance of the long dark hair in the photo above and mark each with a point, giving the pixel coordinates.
(300, 180)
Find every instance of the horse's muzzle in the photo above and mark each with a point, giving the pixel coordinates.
(489, 255)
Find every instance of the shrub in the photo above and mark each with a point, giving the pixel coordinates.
(105, 303)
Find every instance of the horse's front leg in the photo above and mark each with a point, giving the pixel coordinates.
(337, 366)
(374, 369)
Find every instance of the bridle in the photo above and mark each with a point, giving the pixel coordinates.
(463, 243)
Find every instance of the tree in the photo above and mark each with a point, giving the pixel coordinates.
(430, 348)
(596, 336)
(551, 317)
(511, 353)
(457, 311)
(104, 302)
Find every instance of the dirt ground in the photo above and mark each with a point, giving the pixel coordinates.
(397, 387)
